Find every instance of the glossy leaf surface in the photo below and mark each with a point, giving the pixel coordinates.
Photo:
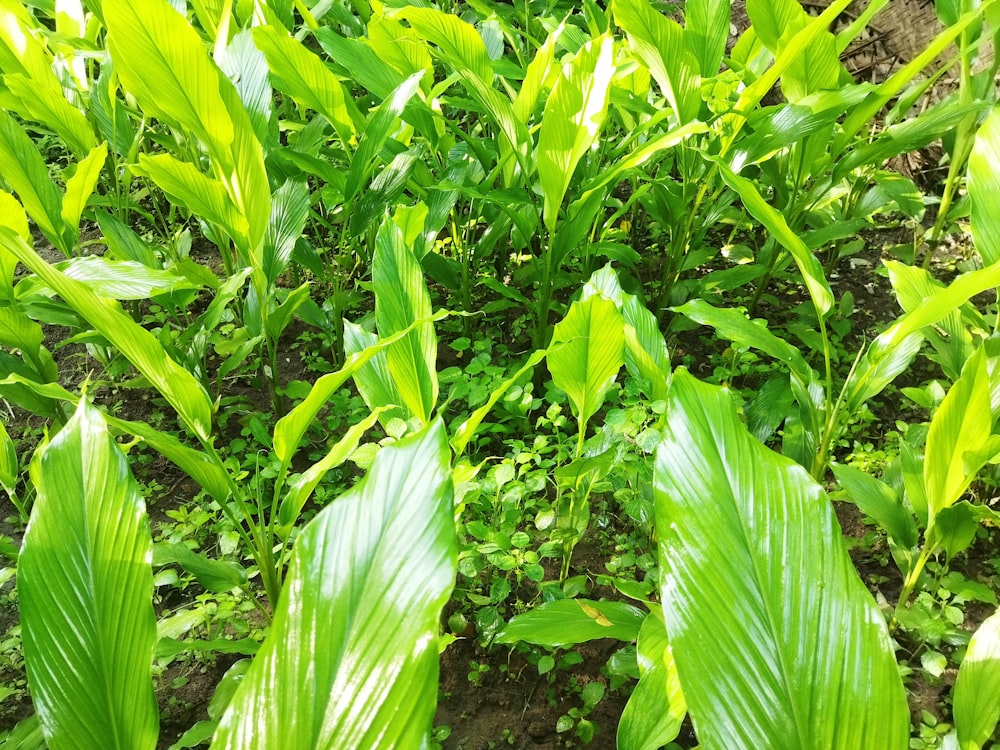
(656, 708)
(588, 350)
(572, 121)
(984, 188)
(976, 695)
(401, 299)
(777, 641)
(564, 622)
(86, 591)
(351, 659)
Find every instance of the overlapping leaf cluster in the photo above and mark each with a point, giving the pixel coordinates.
(596, 175)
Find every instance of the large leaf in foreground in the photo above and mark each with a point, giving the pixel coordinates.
(351, 659)
(777, 641)
(656, 708)
(984, 188)
(86, 591)
(977, 689)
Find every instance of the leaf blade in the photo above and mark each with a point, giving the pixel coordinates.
(357, 623)
(752, 557)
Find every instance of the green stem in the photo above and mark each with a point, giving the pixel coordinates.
(256, 541)
(908, 585)
(544, 300)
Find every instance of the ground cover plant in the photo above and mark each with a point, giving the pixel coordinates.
(477, 374)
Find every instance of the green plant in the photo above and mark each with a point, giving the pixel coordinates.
(103, 632)
(784, 595)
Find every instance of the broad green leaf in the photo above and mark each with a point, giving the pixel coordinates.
(775, 223)
(303, 76)
(351, 658)
(880, 501)
(246, 67)
(12, 215)
(878, 367)
(18, 331)
(162, 61)
(400, 48)
(190, 187)
(777, 641)
(891, 352)
(215, 575)
(572, 121)
(300, 490)
(289, 212)
(25, 172)
(86, 589)
(9, 468)
(180, 388)
(289, 430)
(791, 53)
(953, 530)
(961, 426)
(984, 188)
(587, 351)
(243, 172)
(122, 279)
(457, 41)
(21, 48)
(656, 708)
(976, 696)
(461, 46)
(47, 104)
(706, 29)
(383, 193)
(401, 299)
(26, 735)
(382, 122)
(909, 135)
(770, 406)
(566, 622)
(659, 42)
(373, 380)
(80, 185)
(536, 78)
(367, 67)
(814, 68)
(952, 335)
(646, 355)
(123, 242)
(109, 114)
(735, 326)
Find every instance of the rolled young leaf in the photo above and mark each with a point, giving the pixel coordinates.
(351, 660)
(777, 641)
(86, 594)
